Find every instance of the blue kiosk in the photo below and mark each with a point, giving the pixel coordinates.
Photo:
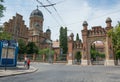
(8, 53)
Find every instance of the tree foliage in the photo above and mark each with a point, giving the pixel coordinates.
(22, 46)
(2, 8)
(48, 52)
(77, 37)
(31, 48)
(95, 54)
(115, 35)
(78, 56)
(5, 36)
(63, 39)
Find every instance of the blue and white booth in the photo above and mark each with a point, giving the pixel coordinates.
(8, 53)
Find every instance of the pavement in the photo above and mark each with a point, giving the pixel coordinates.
(19, 69)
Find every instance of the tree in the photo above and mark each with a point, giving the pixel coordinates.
(77, 37)
(5, 36)
(22, 49)
(78, 56)
(118, 54)
(2, 8)
(22, 46)
(95, 54)
(63, 39)
(47, 52)
(115, 35)
(31, 48)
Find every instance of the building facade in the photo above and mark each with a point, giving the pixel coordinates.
(34, 33)
(17, 28)
(97, 33)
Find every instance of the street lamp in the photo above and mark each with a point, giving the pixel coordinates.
(50, 45)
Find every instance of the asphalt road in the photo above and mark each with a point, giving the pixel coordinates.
(68, 73)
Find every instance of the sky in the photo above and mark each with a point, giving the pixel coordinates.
(68, 13)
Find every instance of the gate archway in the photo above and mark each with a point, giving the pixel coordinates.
(97, 33)
(97, 52)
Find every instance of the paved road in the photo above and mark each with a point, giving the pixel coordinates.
(68, 73)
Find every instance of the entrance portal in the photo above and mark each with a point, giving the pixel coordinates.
(97, 53)
(97, 33)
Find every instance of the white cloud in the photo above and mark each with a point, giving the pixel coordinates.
(73, 13)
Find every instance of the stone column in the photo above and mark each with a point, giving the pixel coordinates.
(70, 50)
(43, 57)
(109, 61)
(84, 60)
(55, 58)
(34, 57)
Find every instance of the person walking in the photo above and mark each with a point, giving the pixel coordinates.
(25, 61)
(28, 63)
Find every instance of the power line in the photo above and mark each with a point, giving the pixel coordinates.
(56, 12)
(43, 6)
(49, 12)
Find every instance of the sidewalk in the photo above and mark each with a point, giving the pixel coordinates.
(19, 69)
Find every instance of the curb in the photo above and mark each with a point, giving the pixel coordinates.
(20, 73)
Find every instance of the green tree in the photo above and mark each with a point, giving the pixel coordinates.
(48, 52)
(22, 46)
(77, 37)
(43, 51)
(78, 56)
(93, 52)
(115, 35)
(2, 8)
(63, 39)
(5, 35)
(118, 54)
(31, 48)
(22, 49)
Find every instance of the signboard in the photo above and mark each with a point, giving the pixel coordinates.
(10, 43)
(8, 52)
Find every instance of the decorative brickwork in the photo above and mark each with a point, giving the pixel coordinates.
(97, 33)
(17, 28)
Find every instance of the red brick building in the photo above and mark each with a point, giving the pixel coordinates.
(33, 33)
(17, 28)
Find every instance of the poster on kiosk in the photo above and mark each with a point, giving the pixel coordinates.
(8, 53)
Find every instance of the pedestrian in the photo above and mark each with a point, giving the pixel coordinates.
(25, 61)
(28, 63)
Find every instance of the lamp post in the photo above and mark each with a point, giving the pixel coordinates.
(50, 45)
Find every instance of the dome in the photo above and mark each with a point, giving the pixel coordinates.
(71, 35)
(85, 23)
(48, 30)
(108, 20)
(36, 12)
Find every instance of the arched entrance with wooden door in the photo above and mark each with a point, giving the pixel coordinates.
(97, 33)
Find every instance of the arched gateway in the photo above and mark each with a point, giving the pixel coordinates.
(97, 33)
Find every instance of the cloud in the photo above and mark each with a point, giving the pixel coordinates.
(72, 12)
